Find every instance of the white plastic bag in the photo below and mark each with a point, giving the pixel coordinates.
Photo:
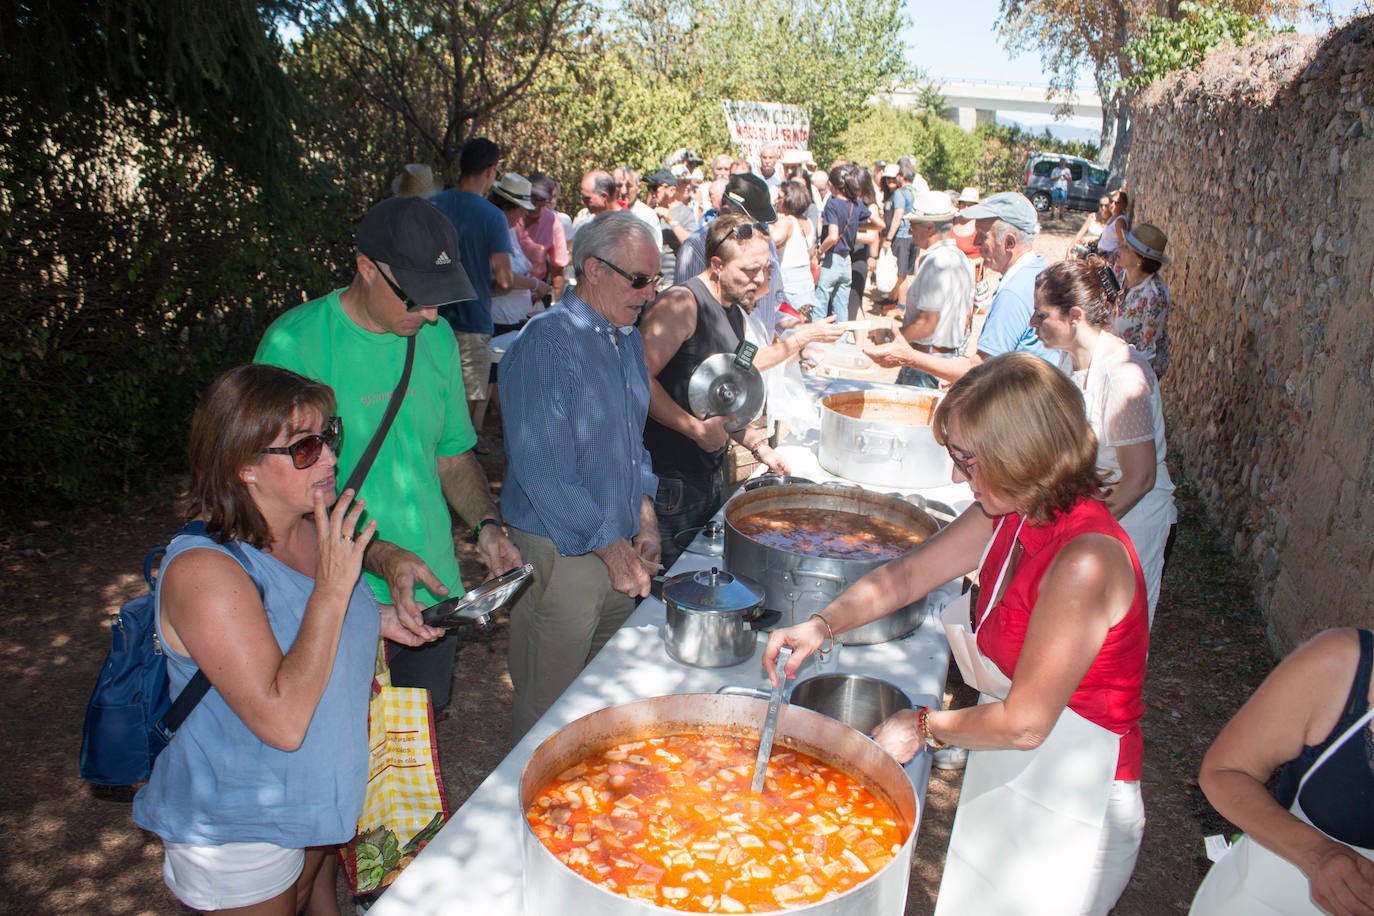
(885, 273)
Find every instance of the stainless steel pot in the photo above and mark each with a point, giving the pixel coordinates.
(713, 617)
(859, 701)
(882, 437)
(551, 887)
(798, 585)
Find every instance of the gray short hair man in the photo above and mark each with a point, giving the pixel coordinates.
(1006, 227)
(939, 300)
(590, 534)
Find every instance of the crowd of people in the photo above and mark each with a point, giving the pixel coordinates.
(1052, 414)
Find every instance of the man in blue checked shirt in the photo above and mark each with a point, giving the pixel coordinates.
(579, 490)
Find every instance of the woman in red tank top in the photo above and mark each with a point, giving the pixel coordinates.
(1060, 625)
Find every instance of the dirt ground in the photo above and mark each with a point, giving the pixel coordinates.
(71, 851)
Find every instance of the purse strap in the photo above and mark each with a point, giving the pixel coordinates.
(355, 480)
(199, 685)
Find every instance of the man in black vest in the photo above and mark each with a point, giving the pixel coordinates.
(685, 325)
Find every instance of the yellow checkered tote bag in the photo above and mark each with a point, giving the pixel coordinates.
(405, 805)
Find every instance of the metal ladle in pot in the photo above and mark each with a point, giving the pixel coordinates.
(770, 721)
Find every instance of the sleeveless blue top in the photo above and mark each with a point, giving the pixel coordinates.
(217, 782)
(1339, 798)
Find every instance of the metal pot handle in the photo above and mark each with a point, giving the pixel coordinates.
(764, 620)
(822, 578)
(730, 690)
(881, 444)
(940, 513)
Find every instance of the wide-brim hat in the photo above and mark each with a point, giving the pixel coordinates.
(418, 242)
(1011, 207)
(969, 195)
(932, 207)
(1149, 241)
(415, 180)
(750, 194)
(516, 189)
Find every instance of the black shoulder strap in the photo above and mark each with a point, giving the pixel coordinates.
(199, 685)
(355, 480)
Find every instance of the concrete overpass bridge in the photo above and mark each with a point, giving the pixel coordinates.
(973, 102)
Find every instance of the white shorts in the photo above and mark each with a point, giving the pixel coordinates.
(229, 875)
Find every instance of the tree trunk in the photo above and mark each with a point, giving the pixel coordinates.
(1121, 149)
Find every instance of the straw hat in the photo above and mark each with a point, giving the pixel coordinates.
(1148, 241)
(415, 180)
(515, 188)
(931, 207)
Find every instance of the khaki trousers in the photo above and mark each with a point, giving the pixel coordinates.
(564, 618)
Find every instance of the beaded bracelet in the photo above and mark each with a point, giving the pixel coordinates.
(829, 635)
(923, 726)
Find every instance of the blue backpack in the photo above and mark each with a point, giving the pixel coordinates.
(131, 717)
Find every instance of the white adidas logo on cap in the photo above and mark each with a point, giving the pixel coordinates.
(443, 260)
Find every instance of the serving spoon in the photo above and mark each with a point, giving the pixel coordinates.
(770, 722)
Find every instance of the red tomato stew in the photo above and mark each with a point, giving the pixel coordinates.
(828, 533)
(671, 821)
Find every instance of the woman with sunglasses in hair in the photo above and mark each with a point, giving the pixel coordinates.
(268, 772)
(1050, 816)
(1075, 305)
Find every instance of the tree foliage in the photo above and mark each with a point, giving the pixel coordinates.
(1165, 45)
(1092, 35)
(213, 62)
(442, 69)
(652, 81)
(946, 155)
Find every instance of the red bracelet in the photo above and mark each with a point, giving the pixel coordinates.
(923, 726)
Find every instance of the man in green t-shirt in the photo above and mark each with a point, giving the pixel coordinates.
(354, 339)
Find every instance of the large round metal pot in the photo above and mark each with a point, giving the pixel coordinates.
(882, 437)
(798, 585)
(713, 617)
(551, 887)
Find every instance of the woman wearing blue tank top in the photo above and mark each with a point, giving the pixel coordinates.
(1311, 849)
(268, 771)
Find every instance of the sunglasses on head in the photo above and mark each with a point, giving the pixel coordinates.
(410, 304)
(743, 232)
(638, 281)
(305, 452)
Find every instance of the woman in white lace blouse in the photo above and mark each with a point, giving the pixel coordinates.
(1075, 303)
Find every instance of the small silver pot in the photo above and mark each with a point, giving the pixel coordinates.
(861, 702)
(713, 617)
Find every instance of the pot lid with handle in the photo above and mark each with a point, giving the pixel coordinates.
(722, 386)
(712, 590)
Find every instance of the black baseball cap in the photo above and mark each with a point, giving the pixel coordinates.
(662, 177)
(750, 194)
(418, 242)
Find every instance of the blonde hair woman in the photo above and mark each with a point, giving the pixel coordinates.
(1056, 643)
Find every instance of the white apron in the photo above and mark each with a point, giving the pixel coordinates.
(1029, 823)
(1250, 880)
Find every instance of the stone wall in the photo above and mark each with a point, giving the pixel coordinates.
(1260, 167)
